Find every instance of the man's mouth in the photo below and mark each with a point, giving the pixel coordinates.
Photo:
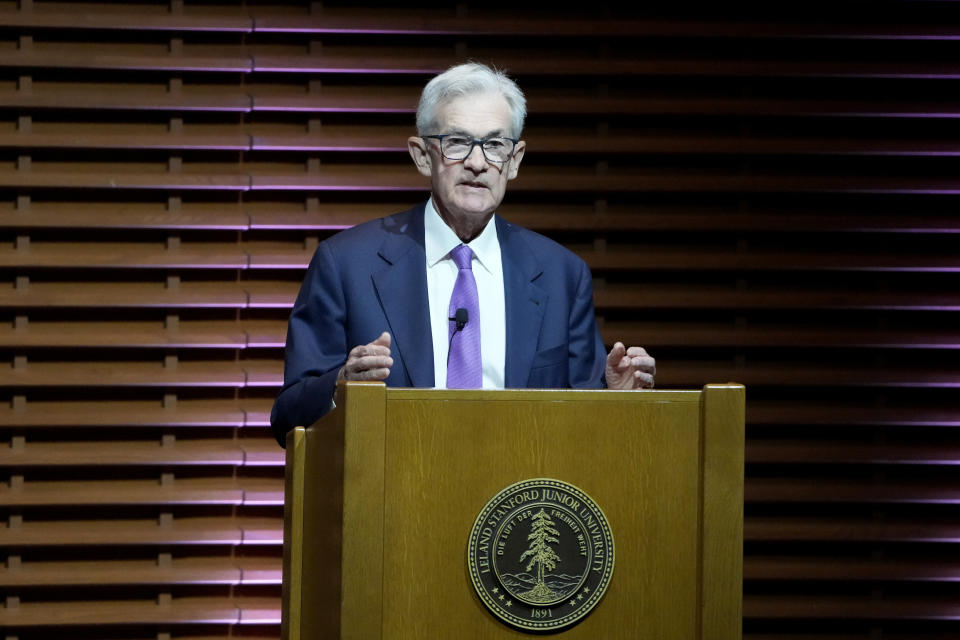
(475, 185)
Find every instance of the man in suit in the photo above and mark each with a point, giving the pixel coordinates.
(385, 299)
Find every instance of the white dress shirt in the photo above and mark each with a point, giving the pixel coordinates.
(439, 240)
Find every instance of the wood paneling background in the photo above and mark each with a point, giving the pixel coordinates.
(767, 196)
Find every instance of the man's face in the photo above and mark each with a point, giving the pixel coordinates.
(467, 192)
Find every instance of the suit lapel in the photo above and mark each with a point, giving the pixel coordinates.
(402, 289)
(525, 303)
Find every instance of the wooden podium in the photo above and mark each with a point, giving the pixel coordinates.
(382, 494)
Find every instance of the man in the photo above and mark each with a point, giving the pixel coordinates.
(395, 298)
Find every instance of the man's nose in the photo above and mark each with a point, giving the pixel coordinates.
(475, 160)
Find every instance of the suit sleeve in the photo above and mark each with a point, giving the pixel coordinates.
(588, 357)
(316, 348)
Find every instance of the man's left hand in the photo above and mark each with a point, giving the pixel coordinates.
(631, 368)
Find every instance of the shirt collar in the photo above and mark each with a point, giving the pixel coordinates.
(439, 240)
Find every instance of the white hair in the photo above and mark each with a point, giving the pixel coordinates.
(469, 79)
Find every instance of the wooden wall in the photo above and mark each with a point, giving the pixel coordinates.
(765, 196)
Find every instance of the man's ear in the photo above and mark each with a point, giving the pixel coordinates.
(417, 147)
(515, 161)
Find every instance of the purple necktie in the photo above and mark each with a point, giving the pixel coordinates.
(464, 364)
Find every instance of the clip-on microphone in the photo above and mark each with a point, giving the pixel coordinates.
(461, 318)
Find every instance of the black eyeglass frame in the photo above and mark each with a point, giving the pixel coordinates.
(473, 143)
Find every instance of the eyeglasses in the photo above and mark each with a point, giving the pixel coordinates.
(458, 147)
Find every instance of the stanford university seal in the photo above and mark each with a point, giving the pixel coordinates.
(541, 555)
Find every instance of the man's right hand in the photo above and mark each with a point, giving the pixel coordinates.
(369, 361)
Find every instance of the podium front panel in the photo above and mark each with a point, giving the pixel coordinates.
(395, 478)
(446, 458)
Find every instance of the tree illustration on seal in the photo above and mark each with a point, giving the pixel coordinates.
(542, 533)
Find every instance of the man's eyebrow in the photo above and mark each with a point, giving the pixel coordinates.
(495, 133)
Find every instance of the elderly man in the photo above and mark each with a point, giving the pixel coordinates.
(448, 294)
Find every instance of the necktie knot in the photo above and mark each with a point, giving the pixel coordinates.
(462, 255)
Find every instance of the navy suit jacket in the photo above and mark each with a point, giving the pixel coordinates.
(372, 278)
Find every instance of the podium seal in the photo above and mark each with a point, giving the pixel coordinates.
(540, 555)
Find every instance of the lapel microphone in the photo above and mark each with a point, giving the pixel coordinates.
(461, 318)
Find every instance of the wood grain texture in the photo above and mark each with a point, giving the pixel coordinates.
(294, 528)
(721, 561)
(365, 493)
(637, 460)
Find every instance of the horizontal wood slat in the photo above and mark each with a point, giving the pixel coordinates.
(60, 15)
(119, 413)
(227, 334)
(803, 374)
(864, 607)
(768, 297)
(830, 490)
(179, 491)
(222, 531)
(233, 295)
(338, 20)
(126, 255)
(839, 529)
(239, 453)
(829, 413)
(701, 259)
(236, 571)
(147, 98)
(176, 610)
(782, 336)
(560, 62)
(126, 217)
(775, 569)
(122, 177)
(135, 58)
(136, 374)
(840, 452)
